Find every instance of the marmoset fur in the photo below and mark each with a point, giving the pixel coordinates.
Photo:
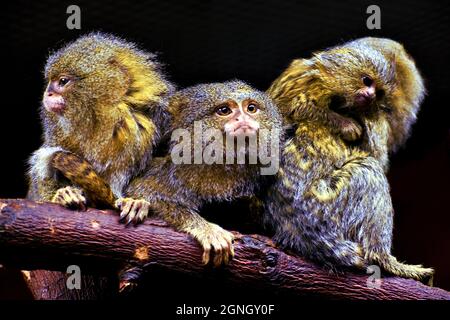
(103, 112)
(350, 105)
(177, 192)
(105, 102)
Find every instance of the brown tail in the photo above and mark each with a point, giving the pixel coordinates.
(390, 264)
(81, 173)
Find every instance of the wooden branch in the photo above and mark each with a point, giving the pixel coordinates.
(41, 235)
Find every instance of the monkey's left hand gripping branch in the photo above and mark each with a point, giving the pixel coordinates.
(46, 236)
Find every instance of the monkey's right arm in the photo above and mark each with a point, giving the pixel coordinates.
(81, 173)
(46, 185)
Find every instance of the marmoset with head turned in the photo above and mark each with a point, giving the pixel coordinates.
(202, 166)
(105, 102)
(350, 106)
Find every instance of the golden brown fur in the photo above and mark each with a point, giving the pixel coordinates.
(113, 112)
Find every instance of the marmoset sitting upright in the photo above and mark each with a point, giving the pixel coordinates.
(105, 102)
(104, 107)
(350, 105)
(212, 127)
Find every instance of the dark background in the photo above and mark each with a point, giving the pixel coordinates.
(254, 41)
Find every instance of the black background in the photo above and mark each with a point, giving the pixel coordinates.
(254, 41)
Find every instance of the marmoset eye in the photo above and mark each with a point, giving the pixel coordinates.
(367, 81)
(63, 81)
(223, 110)
(252, 108)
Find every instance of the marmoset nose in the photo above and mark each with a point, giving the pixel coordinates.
(241, 117)
(370, 92)
(365, 97)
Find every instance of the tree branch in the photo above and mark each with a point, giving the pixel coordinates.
(47, 236)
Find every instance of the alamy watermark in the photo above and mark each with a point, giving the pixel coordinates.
(374, 280)
(374, 20)
(212, 146)
(74, 280)
(74, 20)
